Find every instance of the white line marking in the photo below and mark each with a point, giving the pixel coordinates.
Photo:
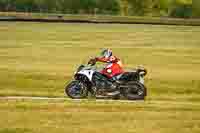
(98, 100)
(61, 98)
(31, 98)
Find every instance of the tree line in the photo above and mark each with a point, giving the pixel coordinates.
(62, 6)
(167, 8)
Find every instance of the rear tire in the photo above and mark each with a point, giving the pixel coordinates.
(76, 90)
(135, 91)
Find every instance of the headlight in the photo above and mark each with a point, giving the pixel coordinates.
(109, 71)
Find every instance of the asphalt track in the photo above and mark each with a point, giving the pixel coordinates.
(65, 99)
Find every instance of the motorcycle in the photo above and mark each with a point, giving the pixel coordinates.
(88, 80)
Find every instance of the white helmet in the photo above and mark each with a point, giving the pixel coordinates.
(106, 53)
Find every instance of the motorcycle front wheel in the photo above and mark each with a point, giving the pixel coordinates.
(76, 90)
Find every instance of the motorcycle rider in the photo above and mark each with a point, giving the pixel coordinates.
(114, 65)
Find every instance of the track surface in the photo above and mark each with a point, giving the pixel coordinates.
(59, 99)
(96, 100)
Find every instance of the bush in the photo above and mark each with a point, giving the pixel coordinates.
(182, 11)
(62, 6)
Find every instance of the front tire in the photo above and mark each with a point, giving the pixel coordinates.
(135, 91)
(76, 90)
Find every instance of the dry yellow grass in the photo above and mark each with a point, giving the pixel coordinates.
(90, 116)
(36, 59)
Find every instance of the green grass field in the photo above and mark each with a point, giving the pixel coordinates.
(38, 59)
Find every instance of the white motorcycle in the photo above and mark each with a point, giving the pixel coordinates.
(87, 79)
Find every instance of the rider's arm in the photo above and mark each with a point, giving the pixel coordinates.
(102, 59)
(112, 59)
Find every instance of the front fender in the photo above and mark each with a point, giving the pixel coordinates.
(84, 79)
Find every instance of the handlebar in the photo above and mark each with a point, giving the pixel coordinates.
(92, 62)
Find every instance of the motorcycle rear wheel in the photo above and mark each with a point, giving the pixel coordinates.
(135, 91)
